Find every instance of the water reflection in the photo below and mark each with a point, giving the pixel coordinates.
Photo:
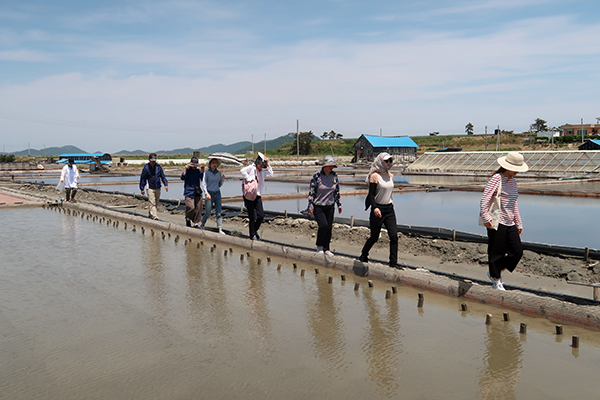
(325, 323)
(382, 344)
(502, 364)
(258, 307)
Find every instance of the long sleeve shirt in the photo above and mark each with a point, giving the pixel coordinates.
(212, 181)
(191, 180)
(70, 175)
(153, 176)
(250, 172)
(509, 194)
(324, 190)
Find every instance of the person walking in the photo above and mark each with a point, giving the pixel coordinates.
(69, 177)
(211, 188)
(255, 174)
(192, 191)
(153, 175)
(381, 187)
(323, 196)
(504, 242)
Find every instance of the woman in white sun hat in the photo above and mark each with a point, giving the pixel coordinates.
(504, 242)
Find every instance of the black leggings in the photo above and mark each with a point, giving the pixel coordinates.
(256, 214)
(324, 217)
(504, 249)
(388, 218)
(70, 193)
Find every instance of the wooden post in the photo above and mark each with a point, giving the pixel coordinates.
(394, 290)
(506, 316)
(387, 294)
(586, 254)
(463, 307)
(523, 328)
(330, 279)
(343, 277)
(575, 342)
(352, 221)
(356, 285)
(316, 271)
(301, 272)
(421, 300)
(559, 330)
(278, 267)
(370, 283)
(488, 319)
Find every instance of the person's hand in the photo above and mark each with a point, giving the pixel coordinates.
(222, 174)
(202, 168)
(207, 196)
(377, 212)
(489, 225)
(521, 231)
(311, 211)
(339, 210)
(142, 192)
(167, 188)
(62, 180)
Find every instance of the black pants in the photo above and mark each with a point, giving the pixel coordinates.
(70, 193)
(388, 218)
(504, 249)
(256, 214)
(324, 217)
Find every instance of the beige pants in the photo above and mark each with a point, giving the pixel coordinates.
(193, 209)
(154, 199)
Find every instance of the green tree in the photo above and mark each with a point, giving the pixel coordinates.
(538, 126)
(304, 141)
(469, 129)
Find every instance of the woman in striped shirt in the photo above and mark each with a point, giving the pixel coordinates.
(323, 195)
(504, 242)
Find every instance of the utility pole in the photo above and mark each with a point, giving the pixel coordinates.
(581, 130)
(380, 132)
(265, 143)
(253, 143)
(485, 138)
(297, 139)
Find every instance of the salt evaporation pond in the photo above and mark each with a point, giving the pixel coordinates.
(89, 311)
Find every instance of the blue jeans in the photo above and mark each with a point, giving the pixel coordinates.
(215, 198)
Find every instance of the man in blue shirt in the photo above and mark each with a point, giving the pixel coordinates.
(191, 177)
(153, 174)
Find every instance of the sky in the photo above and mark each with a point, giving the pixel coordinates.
(159, 75)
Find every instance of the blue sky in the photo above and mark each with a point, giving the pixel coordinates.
(152, 75)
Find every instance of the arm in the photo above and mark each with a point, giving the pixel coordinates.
(312, 192)
(336, 195)
(144, 178)
(248, 172)
(484, 205)
(222, 179)
(163, 178)
(518, 221)
(62, 174)
(203, 186)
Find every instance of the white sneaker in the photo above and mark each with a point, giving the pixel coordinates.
(221, 232)
(498, 285)
(329, 253)
(319, 249)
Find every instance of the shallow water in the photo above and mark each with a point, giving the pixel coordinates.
(91, 311)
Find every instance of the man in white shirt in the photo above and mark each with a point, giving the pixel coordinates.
(69, 177)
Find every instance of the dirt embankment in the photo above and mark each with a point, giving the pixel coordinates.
(350, 240)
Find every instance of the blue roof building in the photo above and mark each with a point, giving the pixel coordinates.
(593, 144)
(402, 148)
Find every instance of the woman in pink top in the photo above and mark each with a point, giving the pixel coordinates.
(504, 242)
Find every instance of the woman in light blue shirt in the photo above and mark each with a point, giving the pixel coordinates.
(211, 189)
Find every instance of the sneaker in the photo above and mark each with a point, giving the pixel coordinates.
(188, 222)
(196, 226)
(329, 253)
(202, 227)
(221, 232)
(498, 285)
(363, 258)
(255, 237)
(319, 249)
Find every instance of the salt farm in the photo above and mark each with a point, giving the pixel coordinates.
(101, 302)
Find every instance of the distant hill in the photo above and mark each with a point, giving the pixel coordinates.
(50, 151)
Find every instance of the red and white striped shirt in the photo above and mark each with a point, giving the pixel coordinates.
(509, 209)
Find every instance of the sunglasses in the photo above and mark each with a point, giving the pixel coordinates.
(389, 161)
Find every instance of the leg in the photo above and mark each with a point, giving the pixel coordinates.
(260, 213)
(392, 228)
(207, 210)
(321, 218)
(329, 213)
(153, 198)
(189, 210)
(67, 194)
(73, 193)
(197, 209)
(375, 225)
(250, 207)
(496, 250)
(514, 249)
(217, 201)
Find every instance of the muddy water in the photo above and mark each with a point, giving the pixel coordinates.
(91, 311)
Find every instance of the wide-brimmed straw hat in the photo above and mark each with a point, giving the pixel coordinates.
(513, 161)
(328, 161)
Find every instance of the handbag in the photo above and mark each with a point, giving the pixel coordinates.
(494, 208)
(250, 189)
